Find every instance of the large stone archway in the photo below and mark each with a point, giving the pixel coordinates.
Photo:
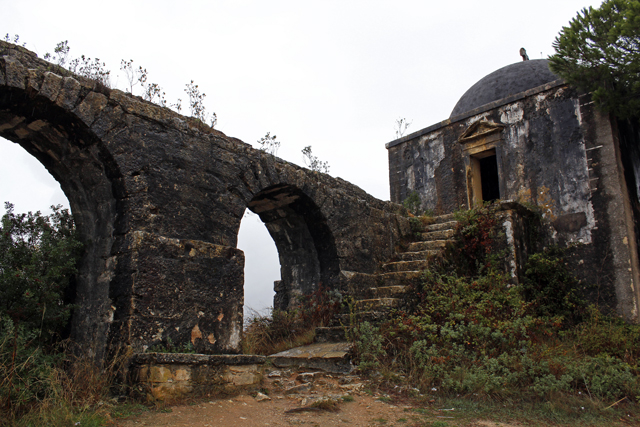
(159, 197)
(88, 175)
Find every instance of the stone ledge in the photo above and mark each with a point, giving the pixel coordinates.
(198, 359)
(171, 376)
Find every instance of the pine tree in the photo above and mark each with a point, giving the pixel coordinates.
(599, 52)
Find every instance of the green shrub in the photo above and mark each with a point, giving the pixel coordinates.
(38, 256)
(479, 241)
(170, 347)
(603, 377)
(41, 383)
(551, 288)
(600, 335)
(412, 203)
(368, 347)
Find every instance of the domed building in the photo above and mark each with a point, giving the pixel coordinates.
(521, 134)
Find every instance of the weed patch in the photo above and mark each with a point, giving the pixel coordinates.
(171, 347)
(282, 330)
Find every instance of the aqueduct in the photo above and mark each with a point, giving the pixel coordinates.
(158, 199)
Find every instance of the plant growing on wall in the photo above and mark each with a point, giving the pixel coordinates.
(135, 76)
(313, 162)
(412, 203)
(14, 40)
(196, 104)
(268, 144)
(60, 54)
(91, 69)
(401, 127)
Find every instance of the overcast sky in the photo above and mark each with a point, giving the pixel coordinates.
(331, 74)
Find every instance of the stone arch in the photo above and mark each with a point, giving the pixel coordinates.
(42, 123)
(158, 198)
(305, 242)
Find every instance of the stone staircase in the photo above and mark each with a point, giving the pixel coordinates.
(376, 294)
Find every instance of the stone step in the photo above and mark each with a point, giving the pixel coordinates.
(388, 291)
(448, 225)
(329, 357)
(358, 283)
(418, 255)
(377, 304)
(397, 278)
(437, 235)
(427, 246)
(410, 265)
(444, 218)
(373, 316)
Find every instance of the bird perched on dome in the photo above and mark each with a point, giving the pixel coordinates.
(524, 55)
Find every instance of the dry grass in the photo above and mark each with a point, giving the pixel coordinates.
(274, 333)
(76, 390)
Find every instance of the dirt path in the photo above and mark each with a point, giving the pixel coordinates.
(293, 399)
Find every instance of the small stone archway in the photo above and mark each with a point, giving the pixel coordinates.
(305, 243)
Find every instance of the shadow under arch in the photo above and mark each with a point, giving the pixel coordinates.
(88, 176)
(305, 243)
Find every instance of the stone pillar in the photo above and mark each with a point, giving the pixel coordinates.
(281, 298)
(186, 291)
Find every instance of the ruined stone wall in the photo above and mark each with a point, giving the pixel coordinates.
(553, 148)
(158, 199)
(541, 136)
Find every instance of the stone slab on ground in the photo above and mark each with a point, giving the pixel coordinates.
(330, 357)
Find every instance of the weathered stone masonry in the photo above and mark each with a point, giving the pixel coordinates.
(549, 145)
(158, 200)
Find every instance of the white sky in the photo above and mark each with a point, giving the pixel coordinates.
(331, 74)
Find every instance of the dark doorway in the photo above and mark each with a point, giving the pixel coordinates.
(489, 178)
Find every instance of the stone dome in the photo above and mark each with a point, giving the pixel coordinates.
(506, 81)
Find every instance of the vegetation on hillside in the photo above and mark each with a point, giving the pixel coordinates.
(467, 330)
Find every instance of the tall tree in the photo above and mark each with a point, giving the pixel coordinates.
(600, 52)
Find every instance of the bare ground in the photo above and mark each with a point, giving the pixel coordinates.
(293, 400)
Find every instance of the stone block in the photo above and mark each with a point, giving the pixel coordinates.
(169, 392)
(15, 72)
(159, 374)
(69, 92)
(242, 375)
(90, 107)
(182, 374)
(35, 79)
(140, 108)
(51, 85)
